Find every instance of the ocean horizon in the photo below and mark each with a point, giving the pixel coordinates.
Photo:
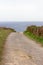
(19, 26)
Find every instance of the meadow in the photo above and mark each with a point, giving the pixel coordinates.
(4, 32)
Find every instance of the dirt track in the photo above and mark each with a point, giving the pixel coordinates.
(19, 50)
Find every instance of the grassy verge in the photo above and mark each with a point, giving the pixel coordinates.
(34, 37)
(4, 32)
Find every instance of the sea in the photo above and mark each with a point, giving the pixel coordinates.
(20, 26)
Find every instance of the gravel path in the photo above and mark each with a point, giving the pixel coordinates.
(19, 50)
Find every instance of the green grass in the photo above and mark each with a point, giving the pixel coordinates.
(3, 34)
(34, 37)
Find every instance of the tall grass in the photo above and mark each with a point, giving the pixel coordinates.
(35, 37)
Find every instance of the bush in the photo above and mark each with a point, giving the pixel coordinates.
(36, 30)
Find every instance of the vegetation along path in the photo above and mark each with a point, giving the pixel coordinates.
(19, 50)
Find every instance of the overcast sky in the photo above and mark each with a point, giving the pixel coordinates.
(21, 10)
